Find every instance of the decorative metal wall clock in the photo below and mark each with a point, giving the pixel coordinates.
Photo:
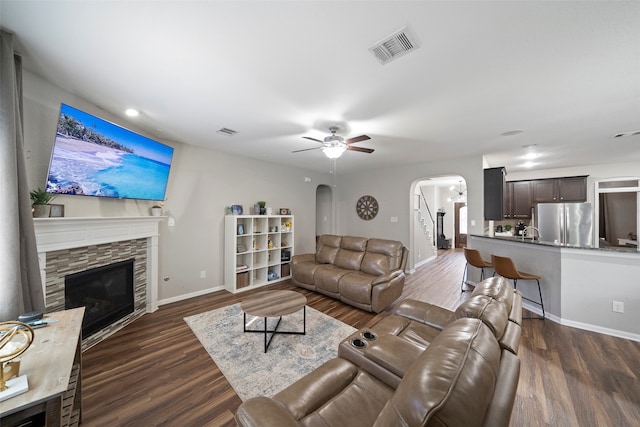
(367, 207)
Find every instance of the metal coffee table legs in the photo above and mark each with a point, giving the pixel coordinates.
(265, 331)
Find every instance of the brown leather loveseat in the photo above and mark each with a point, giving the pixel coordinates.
(365, 273)
(463, 375)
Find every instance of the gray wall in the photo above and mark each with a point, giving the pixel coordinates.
(202, 183)
(394, 189)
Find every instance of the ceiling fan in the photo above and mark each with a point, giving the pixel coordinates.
(334, 145)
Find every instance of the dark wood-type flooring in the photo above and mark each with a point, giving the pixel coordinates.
(154, 372)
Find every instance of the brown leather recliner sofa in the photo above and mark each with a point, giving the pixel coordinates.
(365, 273)
(465, 375)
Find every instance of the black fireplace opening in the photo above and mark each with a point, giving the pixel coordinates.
(106, 293)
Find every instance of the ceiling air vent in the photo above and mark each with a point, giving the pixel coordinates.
(394, 46)
(227, 131)
(632, 133)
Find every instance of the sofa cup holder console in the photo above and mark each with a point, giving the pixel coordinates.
(358, 343)
(369, 335)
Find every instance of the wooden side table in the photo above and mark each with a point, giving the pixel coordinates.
(274, 304)
(53, 365)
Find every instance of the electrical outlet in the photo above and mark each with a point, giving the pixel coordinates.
(203, 274)
(618, 307)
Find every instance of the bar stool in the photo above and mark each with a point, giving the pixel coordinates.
(474, 259)
(506, 268)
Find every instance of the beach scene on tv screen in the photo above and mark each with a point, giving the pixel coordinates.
(93, 157)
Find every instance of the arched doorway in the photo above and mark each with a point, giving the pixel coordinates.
(439, 221)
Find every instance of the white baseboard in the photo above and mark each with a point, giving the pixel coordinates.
(191, 295)
(583, 326)
(425, 261)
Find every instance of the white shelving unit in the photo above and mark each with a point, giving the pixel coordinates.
(258, 250)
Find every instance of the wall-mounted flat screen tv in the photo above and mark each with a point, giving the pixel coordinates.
(93, 157)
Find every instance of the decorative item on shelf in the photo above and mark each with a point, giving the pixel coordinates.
(285, 211)
(15, 339)
(57, 211)
(286, 226)
(262, 204)
(285, 255)
(40, 200)
(241, 248)
(272, 275)
(285, 243)
(240, 229)
(269, 244)
(269, 211)
(236, 209)
(156, 210)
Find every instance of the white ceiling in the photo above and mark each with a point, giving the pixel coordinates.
(565, 73)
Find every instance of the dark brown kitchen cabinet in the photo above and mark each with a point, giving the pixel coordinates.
(494, 193)
(557, 190)
(518, 200)
(573, 189)
(508, 194)
(521, 200)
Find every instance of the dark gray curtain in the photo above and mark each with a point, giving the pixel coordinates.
(20, 283)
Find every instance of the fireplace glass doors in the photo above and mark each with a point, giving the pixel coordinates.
(106, 293)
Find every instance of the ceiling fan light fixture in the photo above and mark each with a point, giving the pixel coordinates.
(334, 151)
(459, 194)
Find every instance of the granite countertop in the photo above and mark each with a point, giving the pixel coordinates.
(518, 239)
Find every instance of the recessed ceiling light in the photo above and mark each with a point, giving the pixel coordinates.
(531, 156)
(131, 112)
(528, 164)
(512, 132)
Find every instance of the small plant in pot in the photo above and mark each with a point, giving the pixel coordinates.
(156, 210)
(263, 209)
(40, 200)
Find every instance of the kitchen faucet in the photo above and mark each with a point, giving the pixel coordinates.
(524, 232)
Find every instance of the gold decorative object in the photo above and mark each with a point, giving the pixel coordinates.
(20, 335)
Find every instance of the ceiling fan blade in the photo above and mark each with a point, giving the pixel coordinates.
(313, 139)
(307, 149)
(356, 139)
(360, 149)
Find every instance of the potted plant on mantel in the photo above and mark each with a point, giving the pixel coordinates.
(40, 200)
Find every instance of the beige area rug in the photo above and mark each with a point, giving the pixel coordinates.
(241, 358)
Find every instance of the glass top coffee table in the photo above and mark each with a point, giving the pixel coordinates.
(274, 304)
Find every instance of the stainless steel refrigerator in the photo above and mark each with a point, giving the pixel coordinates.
(565, 224)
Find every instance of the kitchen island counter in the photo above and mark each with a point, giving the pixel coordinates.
(578, 285)
(529, 241)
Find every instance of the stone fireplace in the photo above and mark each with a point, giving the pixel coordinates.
(67, 246)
